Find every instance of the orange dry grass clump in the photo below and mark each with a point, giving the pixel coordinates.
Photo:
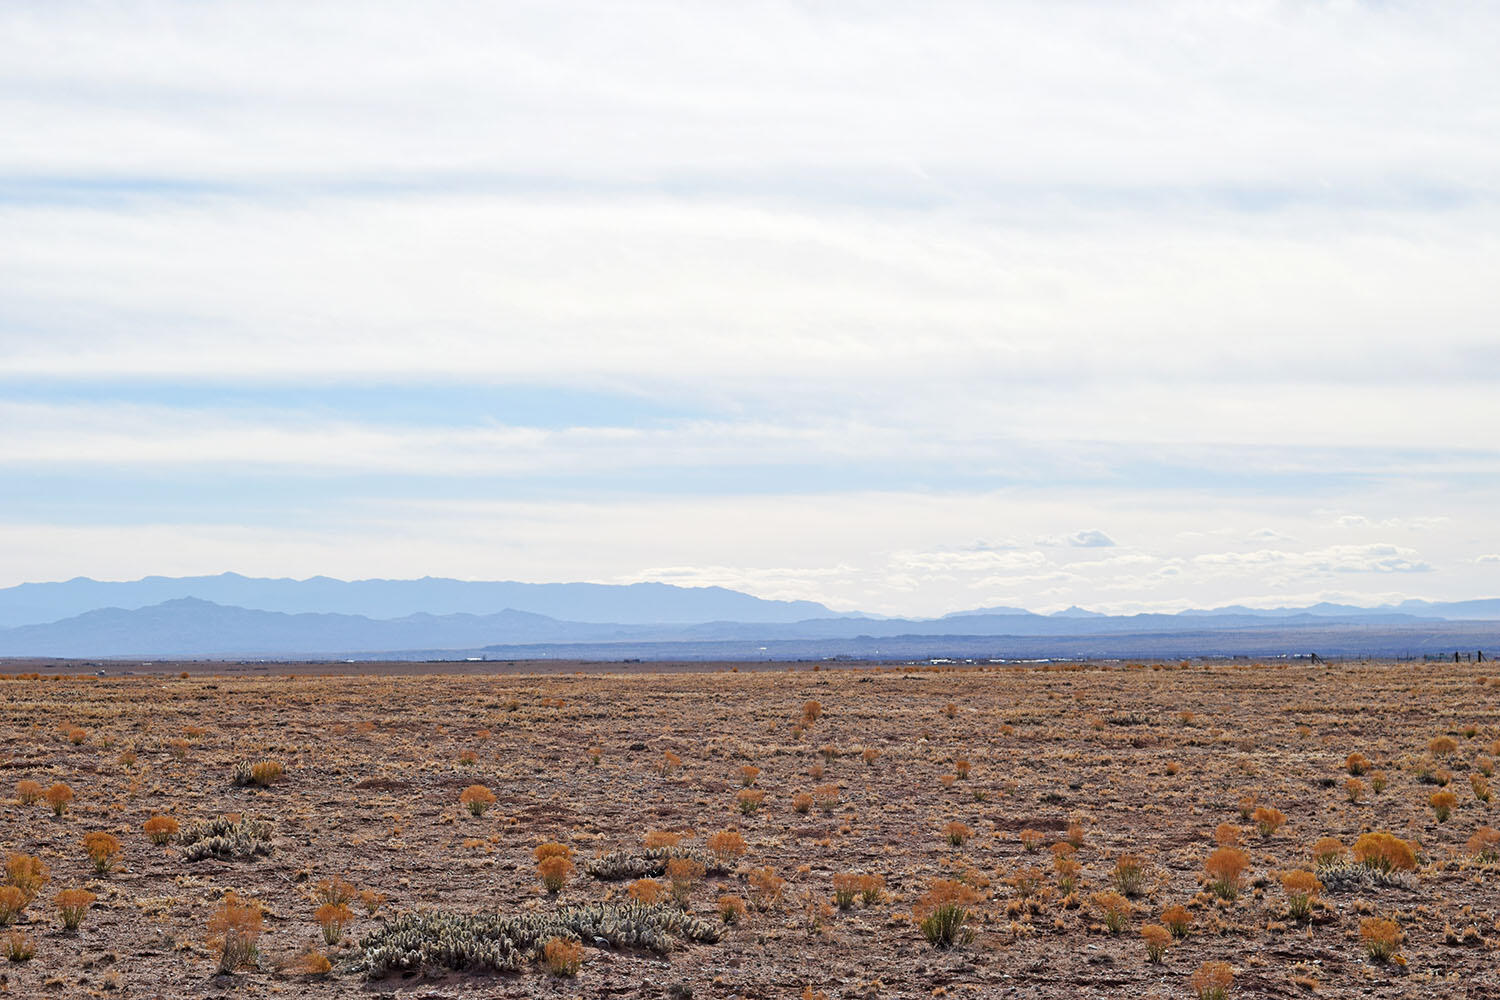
(748, 775)
(71, 905)
(943, 910)
(765, 888)
(562, 956)
(28, 792)
(1386, 852)
(748, 800)
(102, 848)
(551, 850)
(1157, 939)
(1357, 763)
(1442, 804)
(333, 918)
(1213, 980)
(1301, 889)
(1179, 920)
(27, 874)
(58, 797)
(682, 875)
(1380, 938)
(1484, 844)
(1268, 820)
(478, 798)
(1225, 865)
(731, 909)
(1327, 850)
(1227, 835)
(661, 838)
(957, 833)
(161, 829)
(726, 846)
(644, 890)
(554, 871)
(235, 927)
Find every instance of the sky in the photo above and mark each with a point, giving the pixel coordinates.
(905, 308)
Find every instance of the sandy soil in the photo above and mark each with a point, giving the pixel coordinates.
(374, 766)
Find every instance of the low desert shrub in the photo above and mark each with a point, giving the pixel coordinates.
(562, 956)
(160, 829)
(555, 869)
(18, 947)
(871, 889)
(12, 902)
(727, 847)
(1227, 835)
(1354, 790)
(1114, 910)
(1268, 820)
(682, 875)
(661, 839)
(102, 849)
(748, 775)
(644, 890)
(1481, 786)
(943, 913)
(58, 797)
(957, 833)
(28, 874)
(332, 918)
(1212, 981)
(1157, 938)
(749, 800)
(1129, 874)
(1442, 804)
(477, 799)
(28, 792)
(1357, 764)
(1301, 889)
(765, 888)
(801, 802)
(1442, 746)
(1032, 840)
(335, 891)
(1377, 781)
(71, 905)
(845, 889)
(1178, 920)
(826, 797)
(260, 773)
(1385, 853)
(1225, 866)
(731, 909)
(669, 762)
(1484, 844)
(234, 929)
(1380, 937)
(961, 768)
(1327, 850)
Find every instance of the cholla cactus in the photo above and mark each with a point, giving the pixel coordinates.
(225, 839)
(649, 862)
(492, 942)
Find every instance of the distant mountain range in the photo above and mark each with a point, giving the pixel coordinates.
(237, 616)
(37, 603)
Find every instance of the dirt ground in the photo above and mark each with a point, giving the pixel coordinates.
(1147, 760)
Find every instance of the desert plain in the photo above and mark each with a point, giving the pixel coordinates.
(788, 832)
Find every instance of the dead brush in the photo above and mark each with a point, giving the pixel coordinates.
(58, 797)
(1301, 888)
(477, 799)
(801, 802)
(748, 775)
(749, 800)
(1484, 844)
(645, 890)
(845, 889)
(731, 909)
(943, 912)
(333, 891)
(1114, 909)
(259, 773)
(1380, 938)
(18, 947)
(102, 849)
(957, 833)
(27, 875)
(727, 847)
(1225, 867)
(332, 918)
(1481, 786)
(234, 931)
(1327, 850)
(160, 829)
(1032, 840)
(72, 905)
(1178, 920)
(682, 876)
(765, 888)
(1129, 875)
(563, 956)
(1268, 820)
(555, 869)
(28, 792)
(826, 797)
(1157, 939)
(1357, 764)
(1212, 981)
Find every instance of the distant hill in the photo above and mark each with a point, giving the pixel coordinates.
(637, 603)
(194, 628)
